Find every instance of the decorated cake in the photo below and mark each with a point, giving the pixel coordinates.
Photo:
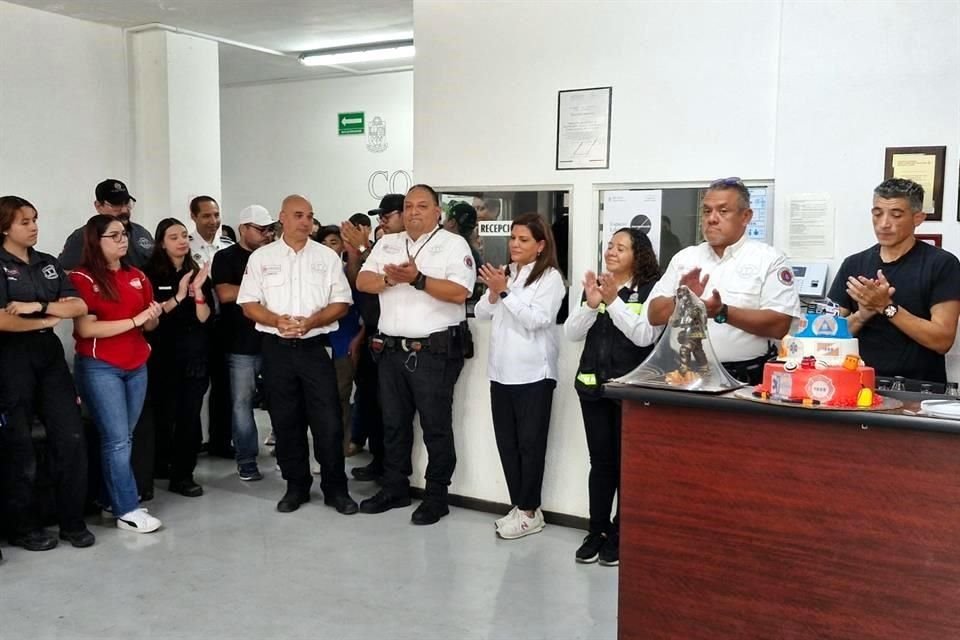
(820, 365)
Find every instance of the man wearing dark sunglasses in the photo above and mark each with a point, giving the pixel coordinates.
(241, 340)
(112, 199)
(746, 285)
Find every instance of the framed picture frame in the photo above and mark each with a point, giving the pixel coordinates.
(935, 239)
(923, 165)
(583, 128)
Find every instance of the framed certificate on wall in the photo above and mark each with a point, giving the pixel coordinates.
(583, 128)
(923, 165)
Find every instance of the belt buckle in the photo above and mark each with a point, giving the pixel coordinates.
(411, 345)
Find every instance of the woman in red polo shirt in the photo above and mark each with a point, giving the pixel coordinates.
(111, 362)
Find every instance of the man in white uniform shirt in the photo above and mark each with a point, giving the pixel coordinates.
(205, 241)
(295, 290)
(423, 276)
(746, 285)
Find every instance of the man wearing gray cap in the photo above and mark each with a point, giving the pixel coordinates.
(241, 339)
(112, 199)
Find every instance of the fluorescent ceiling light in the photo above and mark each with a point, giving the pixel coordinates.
(372, 52)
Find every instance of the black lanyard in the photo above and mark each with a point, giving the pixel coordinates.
(413, 258)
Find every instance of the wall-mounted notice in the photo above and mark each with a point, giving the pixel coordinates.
(638, 209)
(583, 128)
(811, 224)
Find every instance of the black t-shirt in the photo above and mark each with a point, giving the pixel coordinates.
(240, 334)
(138, 251)
(41, 279)
(925, 276)
(180, 334)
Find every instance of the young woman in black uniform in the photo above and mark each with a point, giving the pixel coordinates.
(618, 338)
(178, 368)
(35, 296)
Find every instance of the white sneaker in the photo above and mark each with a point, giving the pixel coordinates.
(522, 525)
(507, 518)
(138, 520)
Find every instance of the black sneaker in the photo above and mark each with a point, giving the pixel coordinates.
(610, 552)
(589, 551)
(80, 538)
(186, 487)
(369, 473)
(249, 472)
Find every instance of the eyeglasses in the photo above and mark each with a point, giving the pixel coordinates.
(727, 182)
(116, 236)
(259, 229)
(386, 216)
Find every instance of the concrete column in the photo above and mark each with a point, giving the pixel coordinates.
(175, 87)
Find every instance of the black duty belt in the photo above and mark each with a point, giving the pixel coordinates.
(392, 343)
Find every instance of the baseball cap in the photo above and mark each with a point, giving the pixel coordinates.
(390, 202)
(113, 191)
(465, 215)
(255, 214)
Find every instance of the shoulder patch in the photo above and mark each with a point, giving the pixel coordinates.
(785, 276)
(49, 272)
(467, 260)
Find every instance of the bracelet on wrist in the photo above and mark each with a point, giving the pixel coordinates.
(134, 321)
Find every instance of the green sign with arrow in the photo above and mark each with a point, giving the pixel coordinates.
(349, 124)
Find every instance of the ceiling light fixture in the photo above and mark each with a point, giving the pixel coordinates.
(372, 52)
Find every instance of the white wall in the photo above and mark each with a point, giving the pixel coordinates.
(282, 138)
(64, 115)
(807, 94)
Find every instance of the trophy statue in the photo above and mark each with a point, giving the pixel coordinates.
(684, 357)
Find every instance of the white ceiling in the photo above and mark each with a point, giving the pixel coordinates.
(290, 26)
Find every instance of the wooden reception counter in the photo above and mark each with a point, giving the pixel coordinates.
(746, 520)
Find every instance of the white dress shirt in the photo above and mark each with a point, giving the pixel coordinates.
(293, 283)
(630, 318)
(749, 275)
(523, 337)
(407, 312)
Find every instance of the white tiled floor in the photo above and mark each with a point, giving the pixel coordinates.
(227, 565)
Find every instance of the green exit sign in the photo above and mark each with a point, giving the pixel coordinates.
(349, 124)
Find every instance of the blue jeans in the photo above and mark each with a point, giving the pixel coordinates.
(244, 370)
(115, 399)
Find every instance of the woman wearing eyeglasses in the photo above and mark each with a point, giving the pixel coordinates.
(110, 366)
(34, 297)
(522, 301)
(618, 337)
(179, 362)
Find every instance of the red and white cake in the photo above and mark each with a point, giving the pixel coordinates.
(820, 365)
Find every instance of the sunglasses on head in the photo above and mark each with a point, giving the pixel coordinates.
(727, 182)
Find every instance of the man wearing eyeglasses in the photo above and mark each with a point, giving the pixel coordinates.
(390, 213)
(112, 199)
(746, 285)
(240, 337)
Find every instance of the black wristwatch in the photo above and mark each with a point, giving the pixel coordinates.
(421, 282)
(43, 307)
(721, 317)
(503, 294)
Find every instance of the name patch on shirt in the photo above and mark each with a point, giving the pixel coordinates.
(270, 269)
(164, 288)
(748, 271)
(12, 274)
(391, 249)
(49, 272)
(318, 267)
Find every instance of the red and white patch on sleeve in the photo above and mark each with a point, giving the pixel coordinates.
(785, 276)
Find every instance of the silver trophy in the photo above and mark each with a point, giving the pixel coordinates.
(684, 358)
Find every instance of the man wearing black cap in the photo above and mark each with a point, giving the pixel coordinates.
(113, 199)
(390, 213)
